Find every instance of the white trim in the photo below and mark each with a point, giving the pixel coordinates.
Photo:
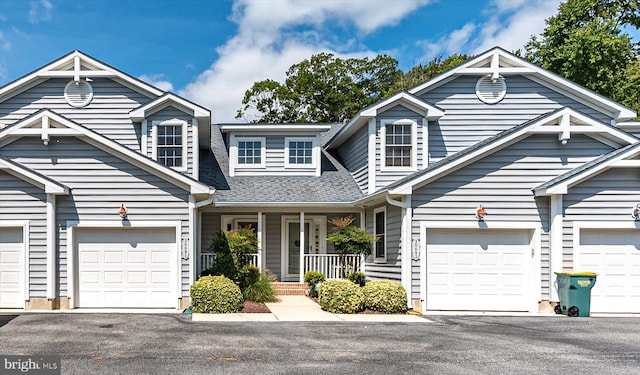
(535, 292)
(72, 263)
(406, 273)
(312, 220)
(195, 149)
(165, 101)
(77, 82)
(302, 247)
(383, 144)
(579, 225)
(26, 257)
(425, 143)
(314, 154)
(383, 259)
(51, 246)
(192, 242)
(183, 127)
(28, 175)
(234, 156)
(144, 146)
(555, 242)
(371, 157)
(259, 230)
(274, 128)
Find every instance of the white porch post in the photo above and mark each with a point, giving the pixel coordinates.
(405, 242)
(301, 247)
(51, 246)
(363, 226)
(555, 243)
(259, 235)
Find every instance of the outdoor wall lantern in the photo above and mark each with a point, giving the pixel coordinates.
(123, 211)
(481, 213)
(635, 214)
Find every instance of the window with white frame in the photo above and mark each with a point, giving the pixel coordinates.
(299, 152)
(251, 152)
(399, 144)
(170, 143)
(380, 231)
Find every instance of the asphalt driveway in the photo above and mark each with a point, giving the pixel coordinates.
(167, 344)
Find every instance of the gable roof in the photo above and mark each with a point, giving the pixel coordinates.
(166, 100)
(428, 110)
(47, 123)
(76, 65)
(29, 175)
(623, 157)
(498, 62)
(558, 122)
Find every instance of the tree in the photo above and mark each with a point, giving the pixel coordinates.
(421, 73)
(585, 42)
(324, 88)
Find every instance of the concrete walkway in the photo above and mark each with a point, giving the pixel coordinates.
(302, 309)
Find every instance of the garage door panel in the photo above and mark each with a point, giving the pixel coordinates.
(12, 268)
(615, 256)
(477, 270)
(133, 267)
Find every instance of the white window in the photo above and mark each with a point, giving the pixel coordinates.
(299, 152)
(380, 231)
(170, 143)
(251, 152)
(399, 144)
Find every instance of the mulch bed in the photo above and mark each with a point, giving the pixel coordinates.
(254, 307)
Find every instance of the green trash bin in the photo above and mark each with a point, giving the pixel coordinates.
(574, 291)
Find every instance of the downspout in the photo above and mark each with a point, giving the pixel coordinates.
(194, 253)
(405, 243)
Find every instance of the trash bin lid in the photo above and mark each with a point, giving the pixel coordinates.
(581, 273)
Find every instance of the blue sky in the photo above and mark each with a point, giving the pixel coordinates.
(211, 51)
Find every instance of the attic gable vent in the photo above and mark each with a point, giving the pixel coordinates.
(489, 90)
(78, 94)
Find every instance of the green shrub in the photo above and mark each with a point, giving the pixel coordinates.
(224, 265)
(248, 275)
(215, 294)
(356, 277)
(313, 279)
(385, 296)
(341, 296)
(260, 291)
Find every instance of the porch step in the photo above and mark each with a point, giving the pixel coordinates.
(289, 289)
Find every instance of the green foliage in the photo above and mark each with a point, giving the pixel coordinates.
(324, 88)
(421, 72)
(341, 297)
(248, 275)
(313, 279)
(260, 290)
(356, 276)
(215, 294)
(349, 239)
(225, 263)
(242, 242)
(233, 249)
(385, 296)
(586, 43)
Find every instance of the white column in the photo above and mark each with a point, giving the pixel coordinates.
(406, 248)
(259, 236)
(191, 245)
(51, 246)
(555, 243)
(301, 247)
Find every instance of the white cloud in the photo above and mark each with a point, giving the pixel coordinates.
(273, 35)
(40, 10)
(157, 80)
(4, 44)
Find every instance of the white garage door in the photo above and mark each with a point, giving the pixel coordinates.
(479, 269)
(614, 254)
(127, 267)
(11, 268)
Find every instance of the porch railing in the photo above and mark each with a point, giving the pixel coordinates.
(333, 266)
(208, 259)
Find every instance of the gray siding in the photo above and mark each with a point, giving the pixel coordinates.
(107, 114)
(170, 113)
(99, 183)
(20, 200)
(391, 269)
(607, 197)
(467, 120)
(384, 178)
(273, 243)
(210, 225)
(353, 154)
(503, 182)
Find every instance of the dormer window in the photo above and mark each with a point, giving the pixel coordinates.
(251, 152)
(399, 144)
(169, 143)
(299, 152)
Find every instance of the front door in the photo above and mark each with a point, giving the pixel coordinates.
(314, 233)
(294, 247)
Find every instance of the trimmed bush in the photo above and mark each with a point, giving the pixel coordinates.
(313, 279)
(341, 296)
(357, 277)
(215, 294)
(260, 291)
(385, 296)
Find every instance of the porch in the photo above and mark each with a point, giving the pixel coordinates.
(289, 244)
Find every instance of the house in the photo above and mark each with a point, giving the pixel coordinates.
(111, 189)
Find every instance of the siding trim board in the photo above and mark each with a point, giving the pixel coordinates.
(29, 175)
(107, 145)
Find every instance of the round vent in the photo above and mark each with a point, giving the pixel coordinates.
(78, 94)
(491, 90)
